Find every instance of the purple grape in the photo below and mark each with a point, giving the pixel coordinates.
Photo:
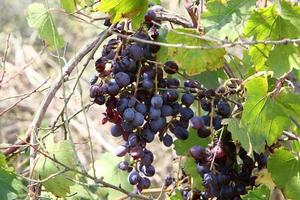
(138, 119)
(133, 139)
(171, 67)
(197, 122)
(187, 99)
(154, 113)
(134, 177)
(173, 83)
(166, 111)
(142, 108)
(157, 102)
(122, 79)
(123, 165)
(121, 151)
(223, 108)
(198, 152)
(148, 170)
(148, 83)
(181, 133)
(158, 124)
(186, 113)
(167, 140)
(116, 130)
(113, 88)
(148, 135)
(128, 114)
(100, 100)
(205, 104)
(136, 52)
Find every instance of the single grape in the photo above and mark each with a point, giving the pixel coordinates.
(147, 158)
(167, 140)
(205, 104)
(190, 84)
(136, 52)
(144, 183)
(158, 124)
(176, 108)
(132, 102)
(198, 152)
(168, 181)
(121, 151)
(94, 91)
(217, 122)
(170, 96)
(123, 165)
(154, 113)
(116, 130)
(170, 67)
(100, 100)
(186, 113)
(173, 83)
(134, 177)
(127, 126)
(133, 139)
(240, 189)
(202, 169)
(141, 108)
(187, 99)
(181, 133)
(138, 119)
(122, 79)
(136, 152)
(148, 135)
(223, 108)
(129, 114)
(148, 170)
(166, 111)
(197, 122)
(148, 84)
(122, 104)
(157, 102)
(113, 88)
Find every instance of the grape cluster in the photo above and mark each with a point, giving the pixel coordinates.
(224, 176)
(141, 100)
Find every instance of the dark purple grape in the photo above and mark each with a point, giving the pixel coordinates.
(138, 119)
(183, 122)
(217, 122)
(173, 83)
(148, 84)
(123, 165)
(223, 108)
(131, 102)
(167, 140)
(134, 177)
(121, 151)
(203, 132)
(128, 114)
(157, 102)
(148, 158)
(171, 67)
(187, 99)
(148, 170)
(176, 108)
(205, 104)
(122, 104)
(100, 100)
(191, 84)
(186, 113)
(202, 169)
(168, 181)
(122, 79)
(158, 124)
(170, 96)
(133, 139)
(148, 135)
(113, 88)
(141, 108)
(144, 183)
(198, 152)
(136, 52)
(100, 64)
(166, 111)
(154, 113)
(127, 126)
(137, 152)
(181, 133)
(197, 122)
(116, 130)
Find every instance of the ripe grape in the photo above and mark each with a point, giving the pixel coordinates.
(157, 102)
(122, 79)
(100, 100)
(154, 113)
(133, 139)
(187, 99)
(141, 108)
(223, 108)
(158, 124)
(138, 119)
(186, 113)
(134, 177)
(116, 130)
(170, 67)
(121, 151)
(123, 165)
(113, 88)
(166, 110)
(167, 140)
(198, 152)
(128, 114)
(173, 83)
(148, 135)
(136, 52)
(148, 170)
(181, 133)
(197, 122)
(205, 104)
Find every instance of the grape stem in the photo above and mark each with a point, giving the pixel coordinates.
(215, 153)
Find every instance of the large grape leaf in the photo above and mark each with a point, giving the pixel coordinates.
(40, 18)
(107, 167)
(226, 19)
(210, 79)
(193, 61)
(182, 147)
(191, 170)
(132, 9)
(45, 167)
(292, 188)
(283, 166)
(271, 24)
(265, 116)
(258, 193)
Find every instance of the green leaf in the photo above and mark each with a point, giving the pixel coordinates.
(68, 5)
(182, 147)
(45, 167)
(176, 195)
(258, 193)
(225, 20)
(239, 134)
(259, 55)
(107, 167)
(283, 166)
(283, 58)
(263, 117)
(191, 170)
(40, 18)
(81, 192)
(193, 61)
(269, 23)
(132, 9)
(210, 79)
(10, 186)
(292, 188)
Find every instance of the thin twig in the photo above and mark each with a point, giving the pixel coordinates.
(4, 58)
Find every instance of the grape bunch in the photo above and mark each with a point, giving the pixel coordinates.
(224, 176)
(141, 101)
